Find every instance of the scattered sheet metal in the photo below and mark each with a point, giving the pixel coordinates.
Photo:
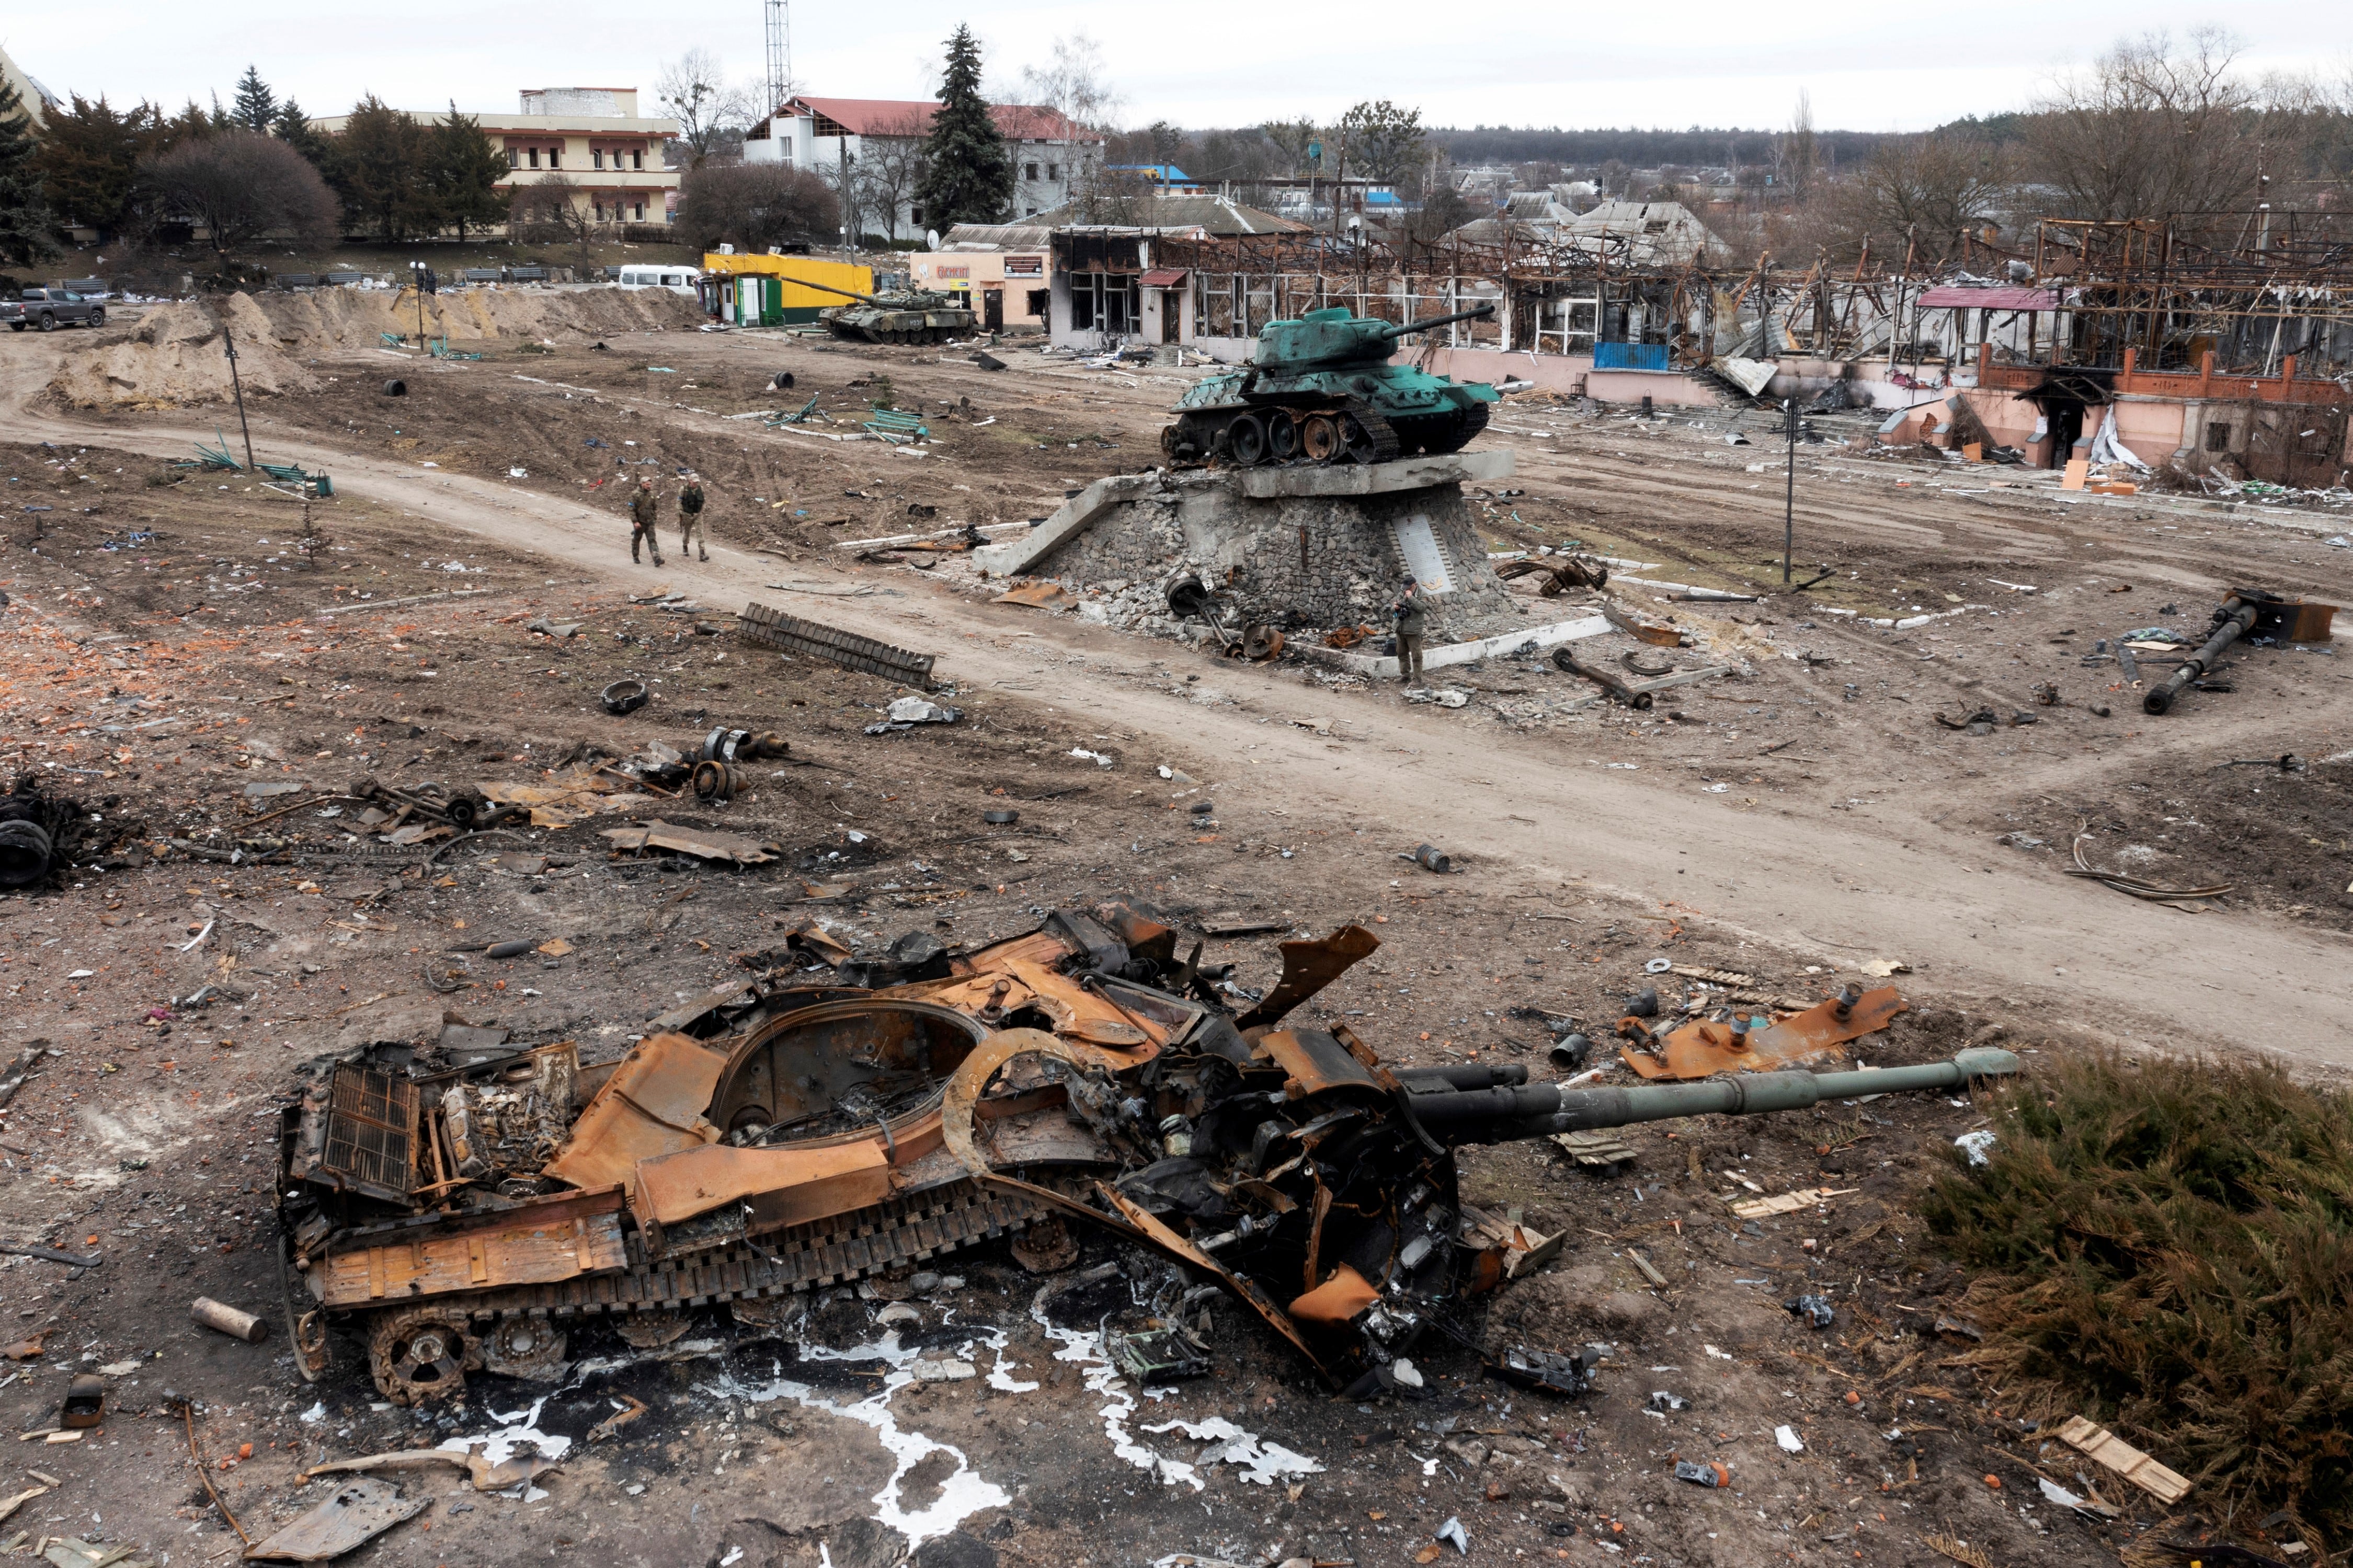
(356, 1514)
(700, 842)
(813, 639)
(1046, 596)
(1706, 1046)
(484, 1473)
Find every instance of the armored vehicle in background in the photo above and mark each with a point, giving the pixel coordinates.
(900, 316)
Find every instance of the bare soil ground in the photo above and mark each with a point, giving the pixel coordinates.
(169, 652)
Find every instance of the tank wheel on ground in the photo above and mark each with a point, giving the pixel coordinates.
(1047, 1247)
(524, 1347)
(651, 1330)
(1246, 438)
(1356, 440)
(1319, 438)
(1281, 436)
(420, 1355)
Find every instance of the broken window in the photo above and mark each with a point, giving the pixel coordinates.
(1053, 171)
(597, 157)
(1029, 170)
(1041, 302)
(2218, 435)
(534, 157)
(640, 211)
(555, 157)
(637, 158)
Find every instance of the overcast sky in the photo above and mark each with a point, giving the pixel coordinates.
(1201, 63)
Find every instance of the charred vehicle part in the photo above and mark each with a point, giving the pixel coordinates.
(777, 1138)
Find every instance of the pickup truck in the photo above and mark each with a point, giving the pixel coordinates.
(48, 308)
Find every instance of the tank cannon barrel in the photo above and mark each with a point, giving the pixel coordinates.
(1504, 1113)
(830, 288)
(1402, 328)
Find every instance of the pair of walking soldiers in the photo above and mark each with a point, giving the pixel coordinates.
(645, 511)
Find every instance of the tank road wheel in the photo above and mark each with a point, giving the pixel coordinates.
(651, 1330)
(1356, 440)
(1319, 438)
(1246, 439)
(1281, 436)
(524, 1347)
(421, 1356)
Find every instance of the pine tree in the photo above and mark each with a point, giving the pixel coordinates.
(24, 219)
(969, 174)
(294, 127)
(257, 107)
(90, 162)
(465, 171)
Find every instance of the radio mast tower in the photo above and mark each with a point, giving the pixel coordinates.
(780, 52)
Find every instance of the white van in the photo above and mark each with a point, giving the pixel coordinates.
(677, 279)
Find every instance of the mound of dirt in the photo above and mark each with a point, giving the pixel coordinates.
(173, 357)
(330, 318)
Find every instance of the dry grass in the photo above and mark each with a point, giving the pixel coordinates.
(2170, 1247)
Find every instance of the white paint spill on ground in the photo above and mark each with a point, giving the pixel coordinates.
(963, 1494)
(520, 1437)
(1086, 1350)
(1254, 1459)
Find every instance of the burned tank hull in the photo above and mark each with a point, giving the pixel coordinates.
(1321, 389)
(463, 1217)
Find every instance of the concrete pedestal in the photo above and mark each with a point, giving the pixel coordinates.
(1296, 547)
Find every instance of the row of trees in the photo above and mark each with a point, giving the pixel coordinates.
(259, 167)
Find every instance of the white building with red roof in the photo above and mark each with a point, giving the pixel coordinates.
(1051, 153)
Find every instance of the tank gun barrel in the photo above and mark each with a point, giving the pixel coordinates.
(1476, 313)
(830, 288)
(1504, 1113)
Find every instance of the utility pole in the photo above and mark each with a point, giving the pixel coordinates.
(1790, 501)
(780, 52)
(228, 346)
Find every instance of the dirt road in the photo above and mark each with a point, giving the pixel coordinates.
(1829, 881)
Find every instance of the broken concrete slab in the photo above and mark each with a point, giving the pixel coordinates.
(1070, 519)
(1533, 639)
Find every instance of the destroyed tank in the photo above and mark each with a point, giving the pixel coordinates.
(898, 316)
(461, 1209)
(1322, 390)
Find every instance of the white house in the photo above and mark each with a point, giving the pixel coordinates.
(1050, 153)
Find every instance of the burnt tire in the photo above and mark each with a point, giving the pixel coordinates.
(26, 853)
(1319, 438)
(525, 1347)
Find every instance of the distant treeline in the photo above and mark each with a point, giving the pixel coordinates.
(1697, 147)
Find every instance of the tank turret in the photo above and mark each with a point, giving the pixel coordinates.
(1321, 389)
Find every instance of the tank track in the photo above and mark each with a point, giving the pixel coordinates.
(1386, 443)
(831, 1252)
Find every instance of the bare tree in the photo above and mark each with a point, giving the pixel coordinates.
(753, 206)
(844, 175)
(1798, 151)
(1933, 185)
(1076, 89)
(2152, 129)
(1291, 138)
(241, 186)
(890, 163)
(694, 89)
(549, 211)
